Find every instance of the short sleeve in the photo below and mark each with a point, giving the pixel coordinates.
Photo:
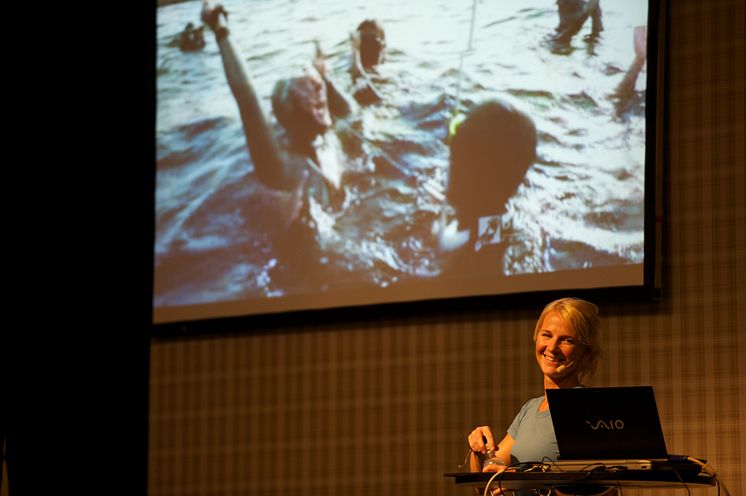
(513, 429)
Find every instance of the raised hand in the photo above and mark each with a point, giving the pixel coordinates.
(211, 15)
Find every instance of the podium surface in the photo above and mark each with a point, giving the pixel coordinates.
(652, 479)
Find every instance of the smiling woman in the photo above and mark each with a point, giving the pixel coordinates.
(567, 347)
(567, 351)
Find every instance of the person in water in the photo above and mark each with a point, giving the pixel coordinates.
(491, 150)
(191, 39)
(572, 16)
(306, 153)
(306, 157)
(368, 52)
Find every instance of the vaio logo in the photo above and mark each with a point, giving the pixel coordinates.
(610, 425)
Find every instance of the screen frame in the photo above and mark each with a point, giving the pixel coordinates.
(649, 290)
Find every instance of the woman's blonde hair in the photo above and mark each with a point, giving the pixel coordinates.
(582, 316)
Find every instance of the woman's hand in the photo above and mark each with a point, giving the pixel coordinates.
(480, 439)
(493, 467)
(211, 15)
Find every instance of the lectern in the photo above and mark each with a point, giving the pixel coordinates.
(585, 482)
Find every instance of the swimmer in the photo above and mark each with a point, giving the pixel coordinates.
(490, 152)
(368, 52)
(302, 161)
(306, 153)
(191, 39)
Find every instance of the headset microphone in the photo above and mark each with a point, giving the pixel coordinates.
(564, 366)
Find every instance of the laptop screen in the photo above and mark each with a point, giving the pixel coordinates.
(606, 423)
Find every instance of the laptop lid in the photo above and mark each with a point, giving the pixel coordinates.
(604, 423)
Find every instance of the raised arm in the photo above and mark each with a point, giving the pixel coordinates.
(340, 105)
(357, 70)
(368, 93)
(626, 88)
(265, 153)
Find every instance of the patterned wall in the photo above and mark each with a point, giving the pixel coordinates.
(384, 408)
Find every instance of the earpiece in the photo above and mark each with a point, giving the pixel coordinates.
(564, 366)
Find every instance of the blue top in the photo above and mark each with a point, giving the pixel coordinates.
(533, 433)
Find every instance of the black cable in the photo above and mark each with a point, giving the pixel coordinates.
(466, 460)
(682, 481)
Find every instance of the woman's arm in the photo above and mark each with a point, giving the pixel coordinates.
(264, 151)
(476, 456)
(340, 105)
(479, 447)
(626, 88)
(366, 92)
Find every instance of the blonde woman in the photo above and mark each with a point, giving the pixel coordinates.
(567, 351)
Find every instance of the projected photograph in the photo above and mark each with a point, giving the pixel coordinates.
(314, 154)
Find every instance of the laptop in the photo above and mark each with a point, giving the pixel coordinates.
(607, 428)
